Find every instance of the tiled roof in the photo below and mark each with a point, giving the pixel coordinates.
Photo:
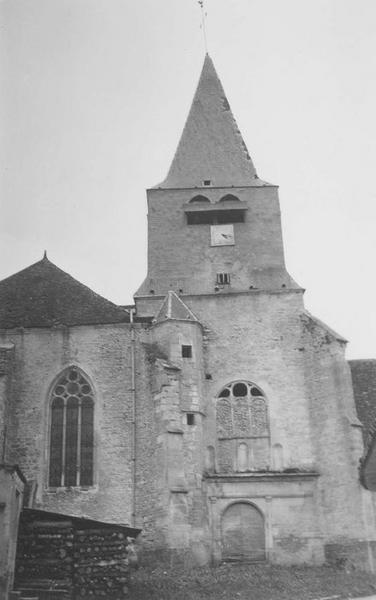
(43, 295)
(173, 307)
(363, 373)
(211, 146)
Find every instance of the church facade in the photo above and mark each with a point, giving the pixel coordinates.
(216, 414)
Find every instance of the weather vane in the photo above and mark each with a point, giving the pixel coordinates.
(203, 23)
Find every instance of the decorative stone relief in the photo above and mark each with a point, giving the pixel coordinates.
(259, 416)
(242, 421)
(224, 419)
(241, 413)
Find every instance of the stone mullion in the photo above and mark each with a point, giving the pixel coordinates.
(250, 441)
(64, 443)
(79, 428)
(249, 406)
(232, 401)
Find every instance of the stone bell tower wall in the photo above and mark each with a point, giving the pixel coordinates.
(181, 257)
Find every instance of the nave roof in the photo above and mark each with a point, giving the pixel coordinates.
(42, 295)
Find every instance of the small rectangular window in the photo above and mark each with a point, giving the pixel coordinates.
(190, 419)
(186, 351)
(223, 278)
(207, 182)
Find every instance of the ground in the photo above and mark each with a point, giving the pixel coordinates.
(250, 582)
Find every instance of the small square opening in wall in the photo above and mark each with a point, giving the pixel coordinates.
(190, 419)
(223, 278)
(186, 351)
(207, 182)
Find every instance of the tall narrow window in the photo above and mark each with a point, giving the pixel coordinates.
(242, 428)
(72, 431)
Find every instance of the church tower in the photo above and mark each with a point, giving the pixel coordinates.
(265, 412)
(217, 415)
(214, 226)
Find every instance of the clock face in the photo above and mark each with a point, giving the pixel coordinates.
(222, 235)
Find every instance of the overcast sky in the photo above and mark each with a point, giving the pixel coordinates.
(94, 95)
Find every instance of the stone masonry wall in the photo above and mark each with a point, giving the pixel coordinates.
(11, 497)
(103, 353)
(256, 337)
(187, 504)
(181, 257)
(264, 338)
(6, 369)
(336, 434)
(151, 457)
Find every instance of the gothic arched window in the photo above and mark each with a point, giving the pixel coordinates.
(71, 457)
(242, 428)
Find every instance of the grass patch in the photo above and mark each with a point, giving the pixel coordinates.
(250, 582)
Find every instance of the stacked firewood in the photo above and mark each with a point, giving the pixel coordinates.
(44, 554)
(81, 558)
(100, 568)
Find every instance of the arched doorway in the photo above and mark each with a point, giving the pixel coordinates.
(243, 533)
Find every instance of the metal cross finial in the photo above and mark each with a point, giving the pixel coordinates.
(203, 23)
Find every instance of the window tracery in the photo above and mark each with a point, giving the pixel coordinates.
(241, 411)
(242, 428)
(71, 453)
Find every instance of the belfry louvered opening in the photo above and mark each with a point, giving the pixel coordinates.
(215, 217)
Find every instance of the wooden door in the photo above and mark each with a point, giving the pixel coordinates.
(243, 533)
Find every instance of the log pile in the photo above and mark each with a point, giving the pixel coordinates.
(45, 554)
(82, 558)
(100, 568)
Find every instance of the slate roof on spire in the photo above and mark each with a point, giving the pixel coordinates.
(211, 146)
(173, 307)
(43, 295)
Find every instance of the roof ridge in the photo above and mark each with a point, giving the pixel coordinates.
(47, 260)
(41, 260)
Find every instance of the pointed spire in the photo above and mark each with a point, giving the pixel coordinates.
(211, 147)
(45, 255)
(173, 307)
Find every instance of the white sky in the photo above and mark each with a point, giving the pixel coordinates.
(94, 95)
